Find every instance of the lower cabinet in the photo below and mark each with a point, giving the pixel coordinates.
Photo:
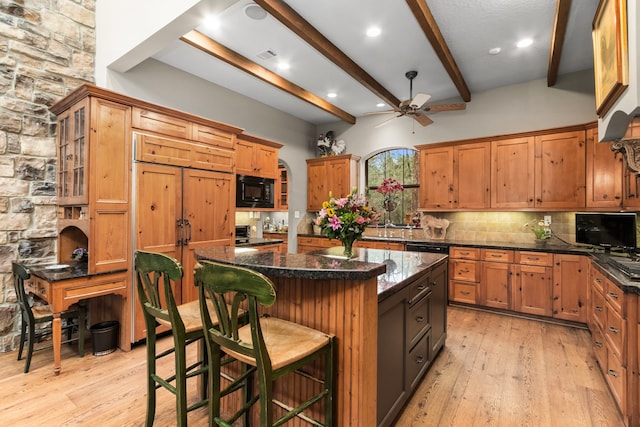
(531, 282)
(411, 330)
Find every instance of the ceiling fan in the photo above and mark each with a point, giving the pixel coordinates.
(416, 106)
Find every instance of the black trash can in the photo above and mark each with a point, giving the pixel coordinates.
(104, 336)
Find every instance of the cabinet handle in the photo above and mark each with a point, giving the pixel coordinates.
(613, 330)
(613, 295)
(42, 291)
(419, 360)
(419, 319)
(598, 280)
(188, 224)
(464, 253)
(180, 231)
(598, 344)
(612, 373)
(421, 287)
(598, 308)
(465, 270)
(496, 256)
(465, 292)
(533, 258)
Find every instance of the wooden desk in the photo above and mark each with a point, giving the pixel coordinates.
(62, 288)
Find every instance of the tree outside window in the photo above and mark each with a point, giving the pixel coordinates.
(402, 165)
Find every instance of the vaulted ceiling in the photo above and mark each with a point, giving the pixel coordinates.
(450, 43)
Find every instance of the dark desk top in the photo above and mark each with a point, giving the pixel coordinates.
(58, 272)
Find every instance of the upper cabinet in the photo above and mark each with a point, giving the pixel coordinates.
(458, 176)
(257, 157)
(282, 188)
(512, 168)
(335, 174)
(545, 171)
(605, 172)
(560, 171)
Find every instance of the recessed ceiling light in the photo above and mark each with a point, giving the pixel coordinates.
(255, 12)
(495, 51)
(373, 32)
(332, 94)
(283, 66)
(524, 43)
(211, 22)
(380, 104)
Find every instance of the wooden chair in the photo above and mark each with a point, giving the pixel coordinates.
(34, 315)
(271, 347)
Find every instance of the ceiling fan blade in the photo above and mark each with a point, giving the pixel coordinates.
(422, 119)
(388, 120)
(419, 100)
(444, 107)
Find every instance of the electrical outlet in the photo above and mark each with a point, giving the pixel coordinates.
(547, 220)
(296, 214)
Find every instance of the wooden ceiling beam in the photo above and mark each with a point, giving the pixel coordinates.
(432, 31)
(557, 40)
(213, 48)
(303, 29)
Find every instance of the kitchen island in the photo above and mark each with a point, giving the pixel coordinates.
(324, 291)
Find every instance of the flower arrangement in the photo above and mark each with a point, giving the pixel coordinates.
(346, 218)
(328, 145)
(540, 229)
(388, 188)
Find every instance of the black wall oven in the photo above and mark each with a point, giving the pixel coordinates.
(254, 192)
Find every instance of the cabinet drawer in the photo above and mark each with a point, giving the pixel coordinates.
(534, 258)
(160, 123)
(598, 314)
(418, 360)
(466, 271)
(463, 292)
(39, 287)
(419, 288)
(597, 280)
(417, 320)
(599, 348)
(464, 253)
(615, 330)
(616, 376)
(212, 136)
(614, 296)
(496, 255)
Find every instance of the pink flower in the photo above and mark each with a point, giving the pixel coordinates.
(335, 222)
(360, 220)
(341, 202)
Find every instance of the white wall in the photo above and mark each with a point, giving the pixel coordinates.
(511, 109)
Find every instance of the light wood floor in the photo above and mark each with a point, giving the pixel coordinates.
(494, 371)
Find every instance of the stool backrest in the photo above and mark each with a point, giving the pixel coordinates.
(20, 275)
(156, 275)
(228, 287)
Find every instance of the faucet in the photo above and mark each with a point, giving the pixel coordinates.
(387, 224)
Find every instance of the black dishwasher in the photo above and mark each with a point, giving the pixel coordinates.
(433, 247)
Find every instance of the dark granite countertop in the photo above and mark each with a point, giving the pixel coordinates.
(393, 268)
(615, 275)
(57, 272)
(259, 241)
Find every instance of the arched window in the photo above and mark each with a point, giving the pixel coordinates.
(401, 164)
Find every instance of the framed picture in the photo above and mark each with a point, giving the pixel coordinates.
(610, 53)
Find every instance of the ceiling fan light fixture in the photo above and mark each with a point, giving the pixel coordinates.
(380, 104)
(255, 12)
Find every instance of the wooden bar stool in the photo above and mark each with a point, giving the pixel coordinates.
(33, 315)
(271, 347)
(156, 276)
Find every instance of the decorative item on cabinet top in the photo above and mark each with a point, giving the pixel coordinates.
(329, 146)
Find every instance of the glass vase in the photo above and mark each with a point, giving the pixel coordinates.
(347, 242)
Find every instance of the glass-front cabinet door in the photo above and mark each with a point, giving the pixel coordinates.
(73, 150)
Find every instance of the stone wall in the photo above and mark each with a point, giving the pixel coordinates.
(47, 48)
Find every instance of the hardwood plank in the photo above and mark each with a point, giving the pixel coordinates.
(497, 370)
(494, 370)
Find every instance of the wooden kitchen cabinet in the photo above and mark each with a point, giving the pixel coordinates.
(257, 156)
(570, 287)
(464, 278)
(495, 282)
(456, 177)
(335, 174)
(512, 172)
(308, 244)
(282, 188)
(605, 174)
(560, 171)
(531, 287)
(380, 244)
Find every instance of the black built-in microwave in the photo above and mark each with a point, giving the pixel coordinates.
(254, 192)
